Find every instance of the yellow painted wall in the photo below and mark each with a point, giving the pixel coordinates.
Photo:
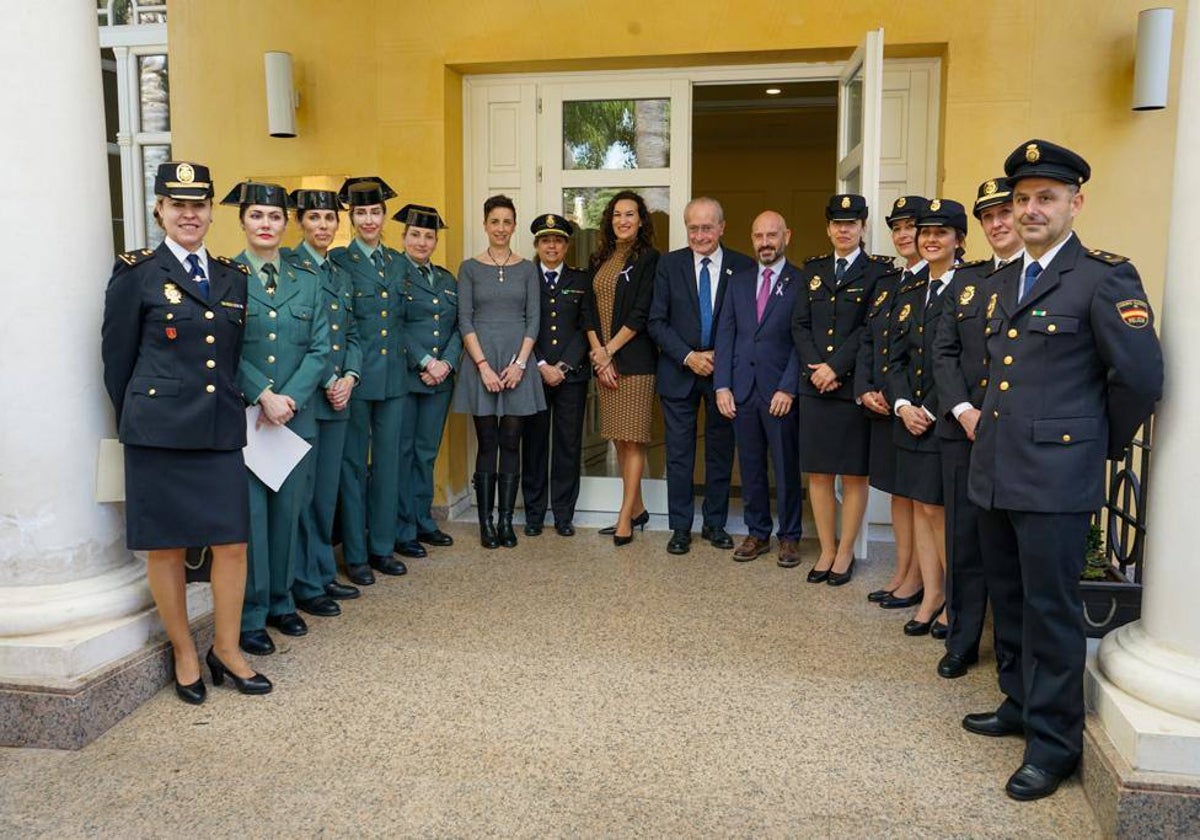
(380, 85)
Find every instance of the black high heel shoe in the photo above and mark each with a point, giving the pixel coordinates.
(839, 578)
(193, 693)
(257, 684)
(619, 541)
(818, 576)
(640, 522)
(921, 628)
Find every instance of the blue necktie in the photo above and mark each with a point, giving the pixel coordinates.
(197, 274)
(705, 304)
(839, 271)
(551, 279)
(1032, 272)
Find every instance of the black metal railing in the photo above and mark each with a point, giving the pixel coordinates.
(1124, 513)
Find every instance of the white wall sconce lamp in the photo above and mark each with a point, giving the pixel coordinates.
(282, 98)
(1152, 61)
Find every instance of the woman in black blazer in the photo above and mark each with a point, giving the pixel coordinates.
(623, 354)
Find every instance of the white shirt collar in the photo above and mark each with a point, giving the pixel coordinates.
(714, 258)
(776, 269)
(559, 268)
(849, 258)
(996, 259)
(182, 253)
(917, 266)
(1046, 258)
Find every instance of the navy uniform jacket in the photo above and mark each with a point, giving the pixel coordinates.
(752, 356)
(828, 320)
(429, 323)
(345, 356)
(674, 321)
(960, 363)
(171, 356)
(378, 305)
(287, 343)
(1074, 369)
(562, 334)
(871, 366)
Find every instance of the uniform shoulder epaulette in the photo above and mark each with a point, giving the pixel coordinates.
(914, 284)
(234, 264)
(1106, 257)
(817, 257)
(970, 264)
(882, 258)
(135, 257)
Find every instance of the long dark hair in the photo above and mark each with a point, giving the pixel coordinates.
(608, 242)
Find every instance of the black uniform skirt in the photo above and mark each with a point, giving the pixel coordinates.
(835, 436)
(185, 498)
(883, 455)
(919, 476)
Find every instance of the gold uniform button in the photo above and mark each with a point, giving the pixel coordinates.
(1012, 333)
(829, 332)
(1066, 438)
(212, 389)
(995, 413)
(383, 314)
(1003, 386)
(920, 330)
(209, 315)
(883, 350)
(1052, 328)
(210, 364)
(885, 368)
(1008, 360)
(434, 348)
(152, 392)
(383, 295)
(271, 314)
(210, 339)
(917, 392)
(553, 327)
(435, 333)
(552, 300)
(435, 300)
(383, 352)
(333, 306)
(920, 349)
(170, 316)
(829, 348)
(383, 333)
(982, 383)
(337, 347)
(553, 314)
(554, 341)
(271, 336)
(919, 371)
(435, 317)
(335, 326)
(270, 360)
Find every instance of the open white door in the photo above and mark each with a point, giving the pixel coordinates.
(860, 116)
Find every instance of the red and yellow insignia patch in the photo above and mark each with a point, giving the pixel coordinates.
(171, 333)
(1135, 313)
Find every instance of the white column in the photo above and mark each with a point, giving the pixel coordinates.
(1148, 692)
(63, 563)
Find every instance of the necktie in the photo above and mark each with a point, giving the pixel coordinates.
(764, 293)
(1032, 272)
(935, 289)
(839, 270)
(377, 258)
(424, 269)
(551, 279)
(197, 274)
(706, 313)
(269, 271)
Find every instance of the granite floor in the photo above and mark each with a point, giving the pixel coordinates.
(564, 688)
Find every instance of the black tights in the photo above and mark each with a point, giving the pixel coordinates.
(504, 434)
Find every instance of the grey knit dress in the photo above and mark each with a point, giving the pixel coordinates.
(502, 315)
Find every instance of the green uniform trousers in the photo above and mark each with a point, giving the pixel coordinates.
(315, 564)
(369, 496)
(422, 423)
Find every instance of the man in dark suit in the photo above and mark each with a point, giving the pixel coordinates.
(1075, 369)
(689, 286)
(960, 370)
(552, 439)
(756, 371)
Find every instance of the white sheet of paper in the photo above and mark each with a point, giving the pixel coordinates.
(110, 471)
(272, 452)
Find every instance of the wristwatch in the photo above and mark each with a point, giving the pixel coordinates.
(519, 363)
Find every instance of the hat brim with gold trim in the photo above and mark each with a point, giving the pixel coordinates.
(1043, 159)
(846, 208)
(183, 180)
(991, 192)
(418, 215)
(551, 224)
(943, 212)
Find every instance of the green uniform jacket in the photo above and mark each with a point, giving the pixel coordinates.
(337, 296)
(430, 328)
(286, 343)
(378, 306)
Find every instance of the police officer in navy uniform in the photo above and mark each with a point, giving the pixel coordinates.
(552, 440)
(960, 370)
(174, 320)
(1075, 368)
(433, 347)
(283, 365)
(369, 499)
(317, 588)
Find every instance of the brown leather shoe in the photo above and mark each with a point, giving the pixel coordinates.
(789, 553)
(750, 548)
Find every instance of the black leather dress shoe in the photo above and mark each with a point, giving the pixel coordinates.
(564, 529)
(680, 542)
(289, 624)
(339, 591)
(939, 631)
(1031, 782)
(841, 578)
(891, 602)
(411, 548)
(321, 605)
(991, 724)
(955, 665)
(193, 693)
(815, 576)
(256, 683)
(913, 627)
(360, 575)
(386, 564)
(717, 536)
(256, 642)
(436, 537)
(878, 595)
(533, 529)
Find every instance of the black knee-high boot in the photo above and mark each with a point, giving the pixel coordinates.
(509, 484)
(485, 500)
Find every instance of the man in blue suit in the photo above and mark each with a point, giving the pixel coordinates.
(689, 286)
(756, 370)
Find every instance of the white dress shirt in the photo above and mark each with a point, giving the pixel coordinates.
(182, 254)
(714, 274)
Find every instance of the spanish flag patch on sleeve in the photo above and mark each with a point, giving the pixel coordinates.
(1135, 313)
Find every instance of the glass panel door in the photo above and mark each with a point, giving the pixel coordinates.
(860, 106)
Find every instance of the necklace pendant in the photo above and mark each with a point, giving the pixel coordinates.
(501, 274)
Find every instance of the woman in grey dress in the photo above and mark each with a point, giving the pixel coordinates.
(498, 315)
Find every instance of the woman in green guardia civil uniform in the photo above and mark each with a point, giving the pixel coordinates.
(317, 589)
(433, 347)
(369, 497)
(284, 354)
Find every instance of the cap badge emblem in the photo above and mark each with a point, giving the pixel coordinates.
(935, 205)
(845, 202)
(968, 294)
(1032, 154)
(551, 221)
(989, 188)
(172, 293)
(900, 202)
(184, 173)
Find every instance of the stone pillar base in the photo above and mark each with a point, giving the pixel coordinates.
(1141, 765)
(62, 711)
